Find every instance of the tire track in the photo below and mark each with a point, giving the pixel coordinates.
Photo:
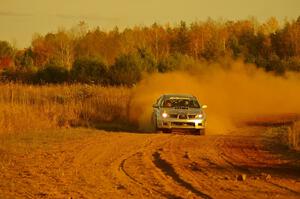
(142, 185)
(139, 183)
(248, 164)
(167, 169)
(149, 189)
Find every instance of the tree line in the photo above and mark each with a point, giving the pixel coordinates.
(121, 57)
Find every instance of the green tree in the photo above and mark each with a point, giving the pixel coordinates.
(275, 64)
(176, 61)
(52, 74)
(146, 60)
(180, 40)
(127, 70)
(89, 70)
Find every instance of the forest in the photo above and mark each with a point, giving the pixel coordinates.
(123, 57)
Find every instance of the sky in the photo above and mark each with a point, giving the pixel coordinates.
(20, 19)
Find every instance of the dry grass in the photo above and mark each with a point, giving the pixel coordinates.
(288, 135)
(294, 136)
(26, 108)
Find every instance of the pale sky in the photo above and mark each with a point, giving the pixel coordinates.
(20, 19)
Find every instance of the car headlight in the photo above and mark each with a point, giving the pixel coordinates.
(199, 116)
(164, 115)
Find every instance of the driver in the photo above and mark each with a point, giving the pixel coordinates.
(167, 103)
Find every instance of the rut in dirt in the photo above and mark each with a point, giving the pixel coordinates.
(167, 168)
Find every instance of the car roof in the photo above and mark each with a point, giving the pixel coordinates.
(179, 95)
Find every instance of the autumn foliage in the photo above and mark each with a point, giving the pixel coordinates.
(121, 57)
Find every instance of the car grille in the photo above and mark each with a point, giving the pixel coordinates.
(191, 116)
(182, 116)
(183, 124)
(173, 115)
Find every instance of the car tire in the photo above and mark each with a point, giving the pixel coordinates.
(154, 123)
(200, 132)
(167, 131)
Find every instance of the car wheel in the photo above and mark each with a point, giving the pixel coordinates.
(167, 131)
(200, 132)
(154, 123)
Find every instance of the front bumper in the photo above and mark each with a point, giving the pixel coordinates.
(173, 123)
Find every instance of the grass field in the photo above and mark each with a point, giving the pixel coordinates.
(294, 136)
(26, 108)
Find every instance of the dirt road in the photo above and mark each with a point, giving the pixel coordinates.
(132, 165)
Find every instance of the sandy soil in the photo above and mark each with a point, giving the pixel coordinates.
(135, 165)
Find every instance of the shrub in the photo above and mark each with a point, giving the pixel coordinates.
(18, 75)
(176, 61)
(89, 70)
(127, 70)
(292, 64)
(52, 74)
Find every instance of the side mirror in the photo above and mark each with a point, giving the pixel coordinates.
(204, 106)
(154, 106)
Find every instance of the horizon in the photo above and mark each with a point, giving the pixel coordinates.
(21, 20)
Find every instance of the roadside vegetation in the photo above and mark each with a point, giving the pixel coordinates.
(25, 108)
(294, 136)
(287, 135)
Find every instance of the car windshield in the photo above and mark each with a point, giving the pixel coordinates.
(180, 103)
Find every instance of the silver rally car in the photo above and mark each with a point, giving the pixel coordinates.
(179, 112)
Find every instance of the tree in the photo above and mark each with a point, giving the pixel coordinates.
(275, 64)
(58, 46)
(292, 64)
(89, 70)
(159, 41)
(281, 44)
(270, 26)
(127, 70)
(52, 74)
(180, 39)
(42, 49)
(147, 60)
(176, 61)
(24, 58)
(64, 53)
(236, 48)
(6, 54)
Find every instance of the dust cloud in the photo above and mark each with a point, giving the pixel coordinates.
(233, 93)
